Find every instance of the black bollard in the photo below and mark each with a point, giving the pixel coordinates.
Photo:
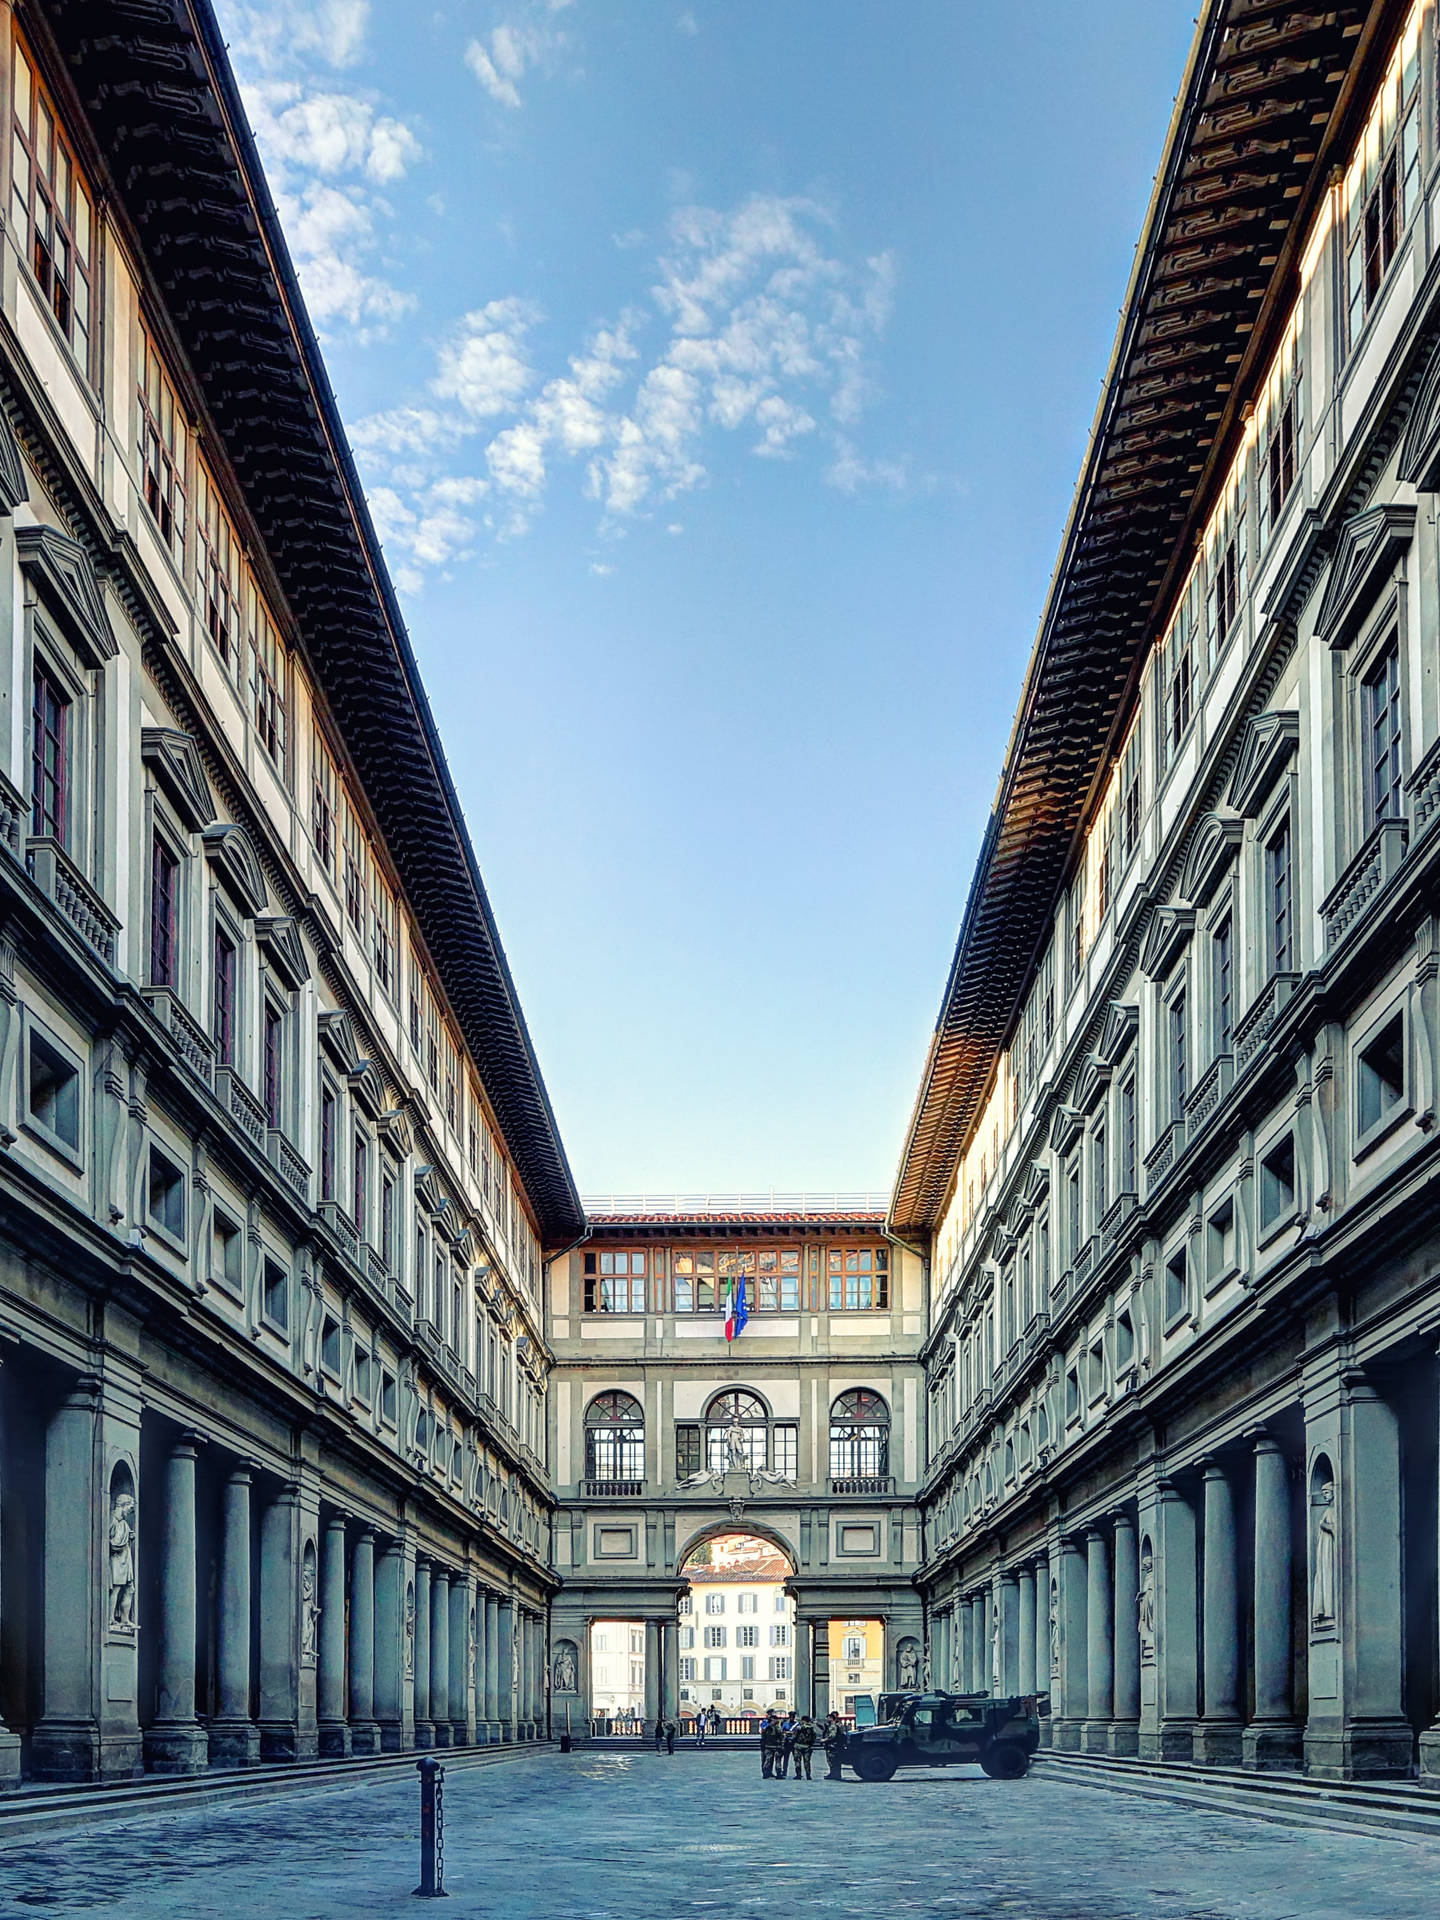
(432, 1829)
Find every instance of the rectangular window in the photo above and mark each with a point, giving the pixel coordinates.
(1178, 661)
(267, 684)
(1223, 960)
(715, 1603)
(1098, 1183)
(1177, 1287)
(1072, 1206)
(226, 1250)
(615, 1282)
(687, 1669)
(1382, 186)
(219, 569)
(360, 1169)
(224, 1001)
(387, 1221)
(322, 801)
(1179, 1054)
(784, 1450)
(1128, 810)
(859, 1278)
(715, 1636)
(356, 862)
(1381, 1076)
(780, 1666)
(162, 449)
(1277, 1183)
(1280, 899)
(776, 1287)
(273, 1062)
(53, 1095)
(780, 1635)
(49, 757)
(327, 1144)
(164, 911)
(1382, 739)
(687, 1451)
(384, 932)
(1128, 1136)
(747, 1665)
(275, 1297)
(1278, 454)
(50, 208)
(166, 1199)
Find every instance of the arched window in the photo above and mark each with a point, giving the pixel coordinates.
(859, 1440)
(739, 1434)
(615, 1442)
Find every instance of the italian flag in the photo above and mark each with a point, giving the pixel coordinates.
(736, 1312)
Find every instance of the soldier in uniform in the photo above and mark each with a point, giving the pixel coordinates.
(832, 1738)
(804, 1747)
(771, 1743)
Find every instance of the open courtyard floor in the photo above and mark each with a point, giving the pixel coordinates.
(636, 1836)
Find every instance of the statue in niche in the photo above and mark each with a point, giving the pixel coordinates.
(909, 1673)
(409, 1629)
(925, 1674)
(995, 1645)
(737, 1448)
(566, 1678)
(1322, 1591)
(471, 1644)
(309, 1612)
(1145, 1604)
(121, 1544)
(1054, 1629)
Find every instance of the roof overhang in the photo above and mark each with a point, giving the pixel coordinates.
(154, 78)
(1270, 100)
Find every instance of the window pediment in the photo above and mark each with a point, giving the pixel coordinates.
(395, 1128)
(368, 1088)
(14, 486)
(1121, 1025)
(1269, 741)
(280, 938)
(1091, 1082)
(1169, 931)
(1037, 1184)
(1063, 1128)
(174, 759)
(1216, 841)
(1420, 449)
(229, 848)
(337, 1036)
(1369, 546)
(60, 570)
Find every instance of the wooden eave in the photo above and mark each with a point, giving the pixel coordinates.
(1271, 100)
(155, 82)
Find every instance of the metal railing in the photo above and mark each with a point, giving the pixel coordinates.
(771, 1201)
(611, 1489)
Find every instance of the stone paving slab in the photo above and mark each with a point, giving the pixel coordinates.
(643, 1836)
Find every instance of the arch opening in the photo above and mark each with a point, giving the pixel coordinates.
(736, 1628)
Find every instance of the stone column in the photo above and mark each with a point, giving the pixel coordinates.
(1177, 1677)
(652, 1674)
(330, 1692)
(10, 1742)
(801, 1685)
(364, 1733)
(505, 1664)
(1217, 1735)
(175, 1742)
(1027, 1680)
(670, 1658)
(820, 1669)
(424, 1728)
(527, 1664)
(390, 1648)
(492, 1665)
(984, 1627)
(1125, 1726)
(234, 1736)
(1272, 1739)
(1074, 1698)
(482, 1656)
(1007, 1599)
(66, 1744)
(1044, 1677)
(459, 1660)
(967, 1646)
(440, 1655)
(287, 1664)
(1099, 1645)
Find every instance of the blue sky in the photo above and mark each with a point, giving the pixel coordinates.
(720, 374)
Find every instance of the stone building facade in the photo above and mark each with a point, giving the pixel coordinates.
(806, 1431)
(276, 1161)
(1175, 1153)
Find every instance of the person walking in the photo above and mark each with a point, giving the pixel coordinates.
(832, 1738)
(669, 1735)
(659, 1733)
(702, 1726)
(804, 1747)
(771, 1743)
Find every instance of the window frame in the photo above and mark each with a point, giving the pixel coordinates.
(80, 238)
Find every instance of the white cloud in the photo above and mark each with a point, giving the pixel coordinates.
(328, 151)
(529, 43)
(756, 326)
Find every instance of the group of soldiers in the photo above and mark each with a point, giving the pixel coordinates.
(795, 1738)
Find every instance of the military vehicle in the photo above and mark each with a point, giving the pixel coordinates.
(946, 1730)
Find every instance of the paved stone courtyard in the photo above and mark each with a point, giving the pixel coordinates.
(637, 1836)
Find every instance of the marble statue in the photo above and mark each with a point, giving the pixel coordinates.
(995, 1645)
(309, 1616)
(909, 1667)
(472, 1642)
(737, 1447)
(1055, 1629)
(122, 1562)
(565, 1676)
(409, 1628)
(1145, 1605)
(1322, 1592)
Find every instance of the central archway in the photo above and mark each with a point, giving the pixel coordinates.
(736, 1625)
